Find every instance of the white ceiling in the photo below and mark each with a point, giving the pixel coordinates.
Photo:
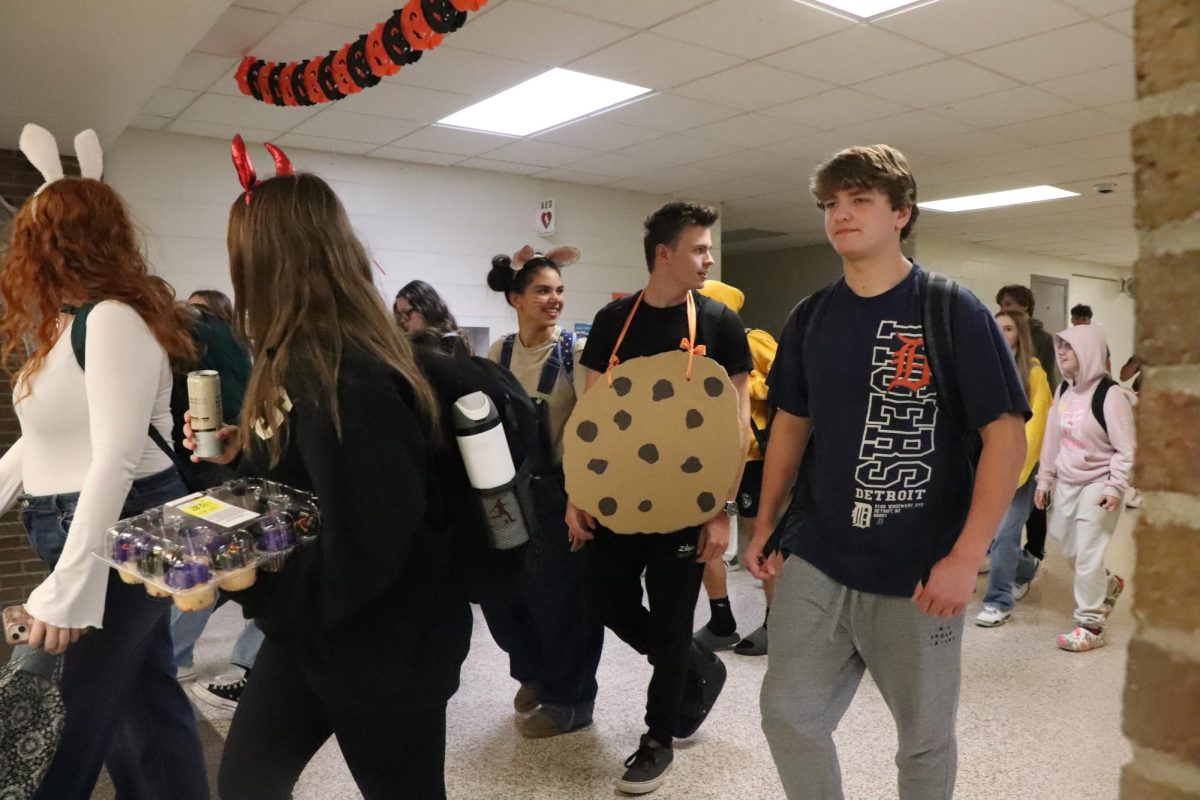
(982, 95)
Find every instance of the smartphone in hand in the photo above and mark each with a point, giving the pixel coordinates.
(17, 624)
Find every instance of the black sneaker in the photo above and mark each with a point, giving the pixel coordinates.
(221, 695)
(646, 769)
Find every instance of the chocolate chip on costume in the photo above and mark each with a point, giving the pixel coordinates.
(714, 386)
(663, 390)
(588, 431)
(622, 386)
(706, 501)
(608, 506)
(645, 506)
(694, 419)
(598, 465)
(648, 453)
(623, 420)
(692, 465)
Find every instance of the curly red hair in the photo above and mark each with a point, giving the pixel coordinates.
(75, 243)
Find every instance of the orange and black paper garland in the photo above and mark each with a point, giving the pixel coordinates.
(421, 25)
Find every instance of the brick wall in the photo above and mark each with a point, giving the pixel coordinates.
(20, 569)
(1162, 686)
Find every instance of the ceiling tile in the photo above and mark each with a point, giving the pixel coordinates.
(1101, 87)
(751, 86)
(680, 149)
(296, 39)
(1092, 171)
(500, 166)
(749, 162)
(756, 186)
(237, 32)
(835, 109)
(466, 72)
(539, 153)
(751, 130)
(169, 102)
(323, 143)
(617, 165)
(220, 130)
(361, 14)
(149, 123)
(416, 156)
(685, 177)
(1121, 22)
(1079, 48)
(278, 6)
(200, 71)
(399, 101)
(574, 176)
(1100, 7)
(911, 126)
(937, 84)
(827, 58)
(598, 134)
(815, 147)
(452, 140)
(334, 123)
(1007, 107)
(654, 61)
(667, 112)
(245, 111)
(1109, 145)
(644, 186)
(1064, 127)
(634, 13)
(1129, 111)
(970, 144)
(751, 28)
(540, 34)
(959, 26)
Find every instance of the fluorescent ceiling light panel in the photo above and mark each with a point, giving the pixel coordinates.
(550, 99)
(1013, 197)
(865, 9)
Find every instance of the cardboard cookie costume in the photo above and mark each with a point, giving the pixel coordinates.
(655, 447)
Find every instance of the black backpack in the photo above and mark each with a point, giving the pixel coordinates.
(455, 512)
(1098, 396)
(217, 350)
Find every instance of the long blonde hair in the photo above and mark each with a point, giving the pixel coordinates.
(303, 289)
(1024, 352)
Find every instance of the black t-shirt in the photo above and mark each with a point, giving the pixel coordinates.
(887, 486)
(660, 330)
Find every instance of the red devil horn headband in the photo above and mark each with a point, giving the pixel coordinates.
(245, 169)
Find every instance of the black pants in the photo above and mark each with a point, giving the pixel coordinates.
(391, 730)
(663, 633)
(546, 628)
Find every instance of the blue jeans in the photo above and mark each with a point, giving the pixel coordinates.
(124, 707)
(1010, 562)
(546, 628)
(187, 626)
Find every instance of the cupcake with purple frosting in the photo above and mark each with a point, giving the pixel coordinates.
(153, 562)
(190, 581)
(273, 537)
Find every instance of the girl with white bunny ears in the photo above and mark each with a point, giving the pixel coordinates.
(85, 459)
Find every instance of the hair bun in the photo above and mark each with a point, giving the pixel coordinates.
(500, 279)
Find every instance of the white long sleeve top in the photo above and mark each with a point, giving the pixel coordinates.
(89, 433)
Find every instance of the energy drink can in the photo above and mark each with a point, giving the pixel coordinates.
(204, 401)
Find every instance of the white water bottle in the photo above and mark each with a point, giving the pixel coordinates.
(484, 449)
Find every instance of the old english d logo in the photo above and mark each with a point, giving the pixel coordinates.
(912, 368)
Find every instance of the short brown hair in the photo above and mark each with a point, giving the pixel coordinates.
(666, 224)
(1021, 295)
(876, 166)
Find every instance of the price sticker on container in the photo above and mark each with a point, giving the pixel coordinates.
(212, 510)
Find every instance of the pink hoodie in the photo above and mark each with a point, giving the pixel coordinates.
(1076, 449)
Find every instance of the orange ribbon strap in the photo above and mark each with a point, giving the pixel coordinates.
(685, 344)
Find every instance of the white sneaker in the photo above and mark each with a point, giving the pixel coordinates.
(185, 674)
(1022, 589)
(992, 617)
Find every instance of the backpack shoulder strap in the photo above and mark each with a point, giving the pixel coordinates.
(79, 331)
(566, 346)
(939, 296)
(1098, 398)
(506, 350)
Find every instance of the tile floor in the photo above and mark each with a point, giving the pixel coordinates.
(1033, 721)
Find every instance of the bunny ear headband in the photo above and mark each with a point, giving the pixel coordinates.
(563, 256)
(40, 147)
(245, 169)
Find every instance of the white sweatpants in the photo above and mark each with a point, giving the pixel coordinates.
(1083, 530)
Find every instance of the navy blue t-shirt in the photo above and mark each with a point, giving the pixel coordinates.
(887, 486)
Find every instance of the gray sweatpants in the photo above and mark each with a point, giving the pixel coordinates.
(823, 636)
